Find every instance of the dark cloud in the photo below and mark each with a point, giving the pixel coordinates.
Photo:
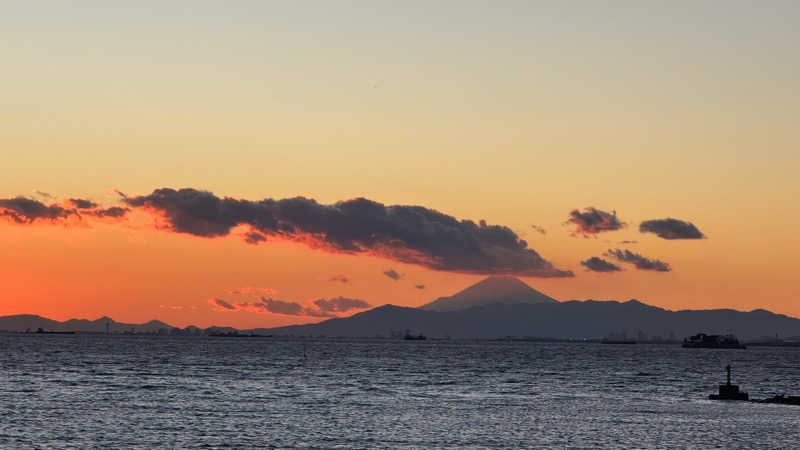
(393, 274)
(408, 234)
(595, 264)
(638, 260)
(281, 307)
(81, 203)
(322, 307)
(539, 229)
(592, 221)
(671, 229)
(340, 304)
(221, 305)
(25, 211)
(419, 286)
(339, 278)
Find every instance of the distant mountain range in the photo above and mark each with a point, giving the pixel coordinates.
(493, 308)
(505, 306)
(30, 322)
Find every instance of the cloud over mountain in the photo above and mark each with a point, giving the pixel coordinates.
(638, 260)
(670, 228)
(408, 234)
(595, 264)
(592, 221)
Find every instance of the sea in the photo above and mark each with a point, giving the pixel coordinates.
(118, 391)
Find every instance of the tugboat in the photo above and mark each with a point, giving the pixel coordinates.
(703, 340)
(729, 391)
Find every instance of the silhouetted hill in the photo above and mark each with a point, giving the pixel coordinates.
(23, 322)
(497, 289)
(567, 320)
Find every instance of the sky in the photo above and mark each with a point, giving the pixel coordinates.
(562, 126)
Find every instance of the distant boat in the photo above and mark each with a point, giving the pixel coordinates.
(411, 337)
(42, 331)
(618, 341)
(239, 335)
(703, 340)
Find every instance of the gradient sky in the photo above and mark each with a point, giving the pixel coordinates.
(511, 112)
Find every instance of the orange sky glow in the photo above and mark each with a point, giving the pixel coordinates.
(514, 115)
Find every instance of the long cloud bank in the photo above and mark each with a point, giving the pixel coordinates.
(408, 234)
(321, 307)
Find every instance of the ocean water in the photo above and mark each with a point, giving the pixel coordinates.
(95, 391)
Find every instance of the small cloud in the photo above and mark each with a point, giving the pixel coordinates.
(539, 229)
(419, 286)
(340, 278)
(81, 203)
(628, 242)
(393, 274)
(595, 264)
(120, 193)
(280, 307)
(638, 260)
(670, 228)
(592, 221)
(221, 305)
(340, 304)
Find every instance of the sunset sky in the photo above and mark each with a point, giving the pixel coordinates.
(524, 115)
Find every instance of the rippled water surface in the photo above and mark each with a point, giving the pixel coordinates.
(95, 391)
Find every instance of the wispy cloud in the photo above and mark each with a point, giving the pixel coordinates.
(638, 260)
(247, 290)
(339, 278)
(539, 229)
(595, 264)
